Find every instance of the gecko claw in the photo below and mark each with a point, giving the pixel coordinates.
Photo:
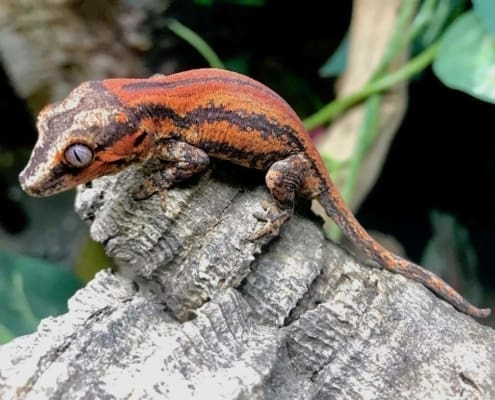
(163, 199)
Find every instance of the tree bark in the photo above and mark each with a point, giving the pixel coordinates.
(196, 310)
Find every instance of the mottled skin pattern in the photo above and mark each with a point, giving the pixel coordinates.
(182, 120)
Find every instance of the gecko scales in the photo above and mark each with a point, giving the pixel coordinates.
(183, 119)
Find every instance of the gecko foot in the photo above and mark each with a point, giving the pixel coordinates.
(274, 217)
(148, 188)
(145, 190)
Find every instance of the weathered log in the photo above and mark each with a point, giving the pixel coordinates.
(196, 310)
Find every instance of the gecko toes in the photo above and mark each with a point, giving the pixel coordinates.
(274, 217)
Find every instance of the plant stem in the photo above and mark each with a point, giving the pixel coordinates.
(336, 107)
(398, 40)
(197, 42)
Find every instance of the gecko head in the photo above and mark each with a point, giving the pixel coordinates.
(87, 135)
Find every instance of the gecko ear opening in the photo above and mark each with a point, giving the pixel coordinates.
(78, 155)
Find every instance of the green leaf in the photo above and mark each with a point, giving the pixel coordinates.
(30, 290)
(485, 9)
(337, 62)
(466, 58)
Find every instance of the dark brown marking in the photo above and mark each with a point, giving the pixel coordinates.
(227, 145)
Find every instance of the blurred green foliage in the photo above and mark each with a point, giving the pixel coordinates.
(31, 289)
(485, 9)
(450, 253)
(90, 260)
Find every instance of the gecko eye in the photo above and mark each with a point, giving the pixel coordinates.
(78, 155)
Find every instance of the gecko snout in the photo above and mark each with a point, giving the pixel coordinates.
(37, 184)
(27, 184)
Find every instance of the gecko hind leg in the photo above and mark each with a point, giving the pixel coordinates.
(176, 161)
(284, 179)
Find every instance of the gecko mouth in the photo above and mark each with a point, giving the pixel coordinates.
(40, 187)
(37, 189)
(41, 183)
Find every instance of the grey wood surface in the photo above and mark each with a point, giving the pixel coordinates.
(194, 310)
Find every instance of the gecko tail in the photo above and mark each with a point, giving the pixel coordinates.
(335, 207)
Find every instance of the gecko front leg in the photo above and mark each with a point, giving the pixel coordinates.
(176, 161)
